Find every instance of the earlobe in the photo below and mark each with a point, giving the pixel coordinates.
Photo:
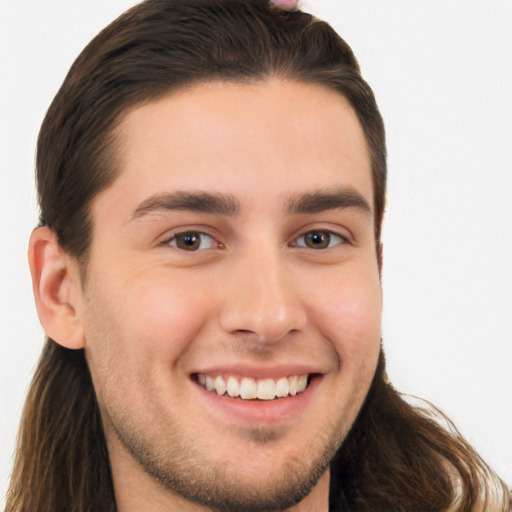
(56, 287)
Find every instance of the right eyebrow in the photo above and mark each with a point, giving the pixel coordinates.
(204, 202)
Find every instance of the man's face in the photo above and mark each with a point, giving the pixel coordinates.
(235, 251)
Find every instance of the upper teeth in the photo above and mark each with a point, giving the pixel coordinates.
(248, 388)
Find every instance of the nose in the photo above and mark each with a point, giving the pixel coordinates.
(261, 300)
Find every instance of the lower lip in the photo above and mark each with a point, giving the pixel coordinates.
(275, 411)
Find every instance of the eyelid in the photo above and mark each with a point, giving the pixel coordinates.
(202, 230)
(201, 238)
(345, 238)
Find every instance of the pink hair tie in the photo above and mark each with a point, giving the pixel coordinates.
(286, 5)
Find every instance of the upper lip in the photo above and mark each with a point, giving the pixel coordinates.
(259, 371)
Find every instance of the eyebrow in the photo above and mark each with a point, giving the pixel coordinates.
(322, 200)
(203, 202)
(229, 206)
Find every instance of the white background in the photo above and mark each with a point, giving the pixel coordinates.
(442, 74)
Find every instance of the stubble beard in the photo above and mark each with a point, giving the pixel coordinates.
(188, 474)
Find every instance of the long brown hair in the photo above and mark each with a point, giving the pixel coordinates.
(396, 457)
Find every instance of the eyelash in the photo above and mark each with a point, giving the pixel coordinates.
(343, 240)
(193, 236)
(198, 236)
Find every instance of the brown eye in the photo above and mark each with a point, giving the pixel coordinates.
(319, 240)
(191, 241)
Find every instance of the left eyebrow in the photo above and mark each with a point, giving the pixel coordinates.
(321, 200)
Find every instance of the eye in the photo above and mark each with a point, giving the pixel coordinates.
(191, 241)
(318, 239)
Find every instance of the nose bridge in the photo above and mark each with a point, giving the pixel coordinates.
(262, 298)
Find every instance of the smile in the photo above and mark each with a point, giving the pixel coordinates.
(247, 388)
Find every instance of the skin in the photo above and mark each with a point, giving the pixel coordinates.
(253, 300)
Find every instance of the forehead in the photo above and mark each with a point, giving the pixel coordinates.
(278, 136)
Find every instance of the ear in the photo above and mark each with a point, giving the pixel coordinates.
(380, 256)
(57, 288)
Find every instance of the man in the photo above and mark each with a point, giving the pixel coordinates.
(211, 180)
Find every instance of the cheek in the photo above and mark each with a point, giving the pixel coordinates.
(138, 331)
(168, 314)
(349, 314)
(137, 335)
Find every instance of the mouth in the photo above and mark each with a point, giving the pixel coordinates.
(248, 388)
